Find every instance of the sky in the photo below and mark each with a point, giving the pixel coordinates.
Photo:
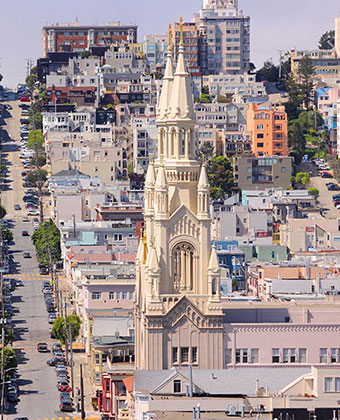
(275, 24)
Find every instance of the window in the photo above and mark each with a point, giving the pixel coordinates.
(118, 296)
(260, 127)
(175, 355)
(254, 355)
(323, 355)
(227, 356)
(184, 354)
(302, 355)
(328, 384)
(107, 386)
(111, 295)
(260, 136)
(337, 384)
(335, 355)
(241, 355)
(96, 295)
(259, 145)
(124, 295)
(130, 295)
(97, 358)
(177, 386)
(193, 354)
(275, 355)
(97, 378)
(283, 170)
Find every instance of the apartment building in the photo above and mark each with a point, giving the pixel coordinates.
(268, 127)
(155, 48)
(70, 37)
(124, 60)
(78, 95)
(260, 173)
(191, 43)
(227, 85)
(224, 38)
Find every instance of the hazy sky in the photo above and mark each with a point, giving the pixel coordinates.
(275, 24)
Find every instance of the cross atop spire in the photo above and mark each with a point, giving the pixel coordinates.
(181, 31)
(170, 38)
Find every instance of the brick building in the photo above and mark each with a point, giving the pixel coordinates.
(76, 37)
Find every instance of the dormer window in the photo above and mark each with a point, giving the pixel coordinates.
(177, 386)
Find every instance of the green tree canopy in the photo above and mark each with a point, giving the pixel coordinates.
(269, 71)
(221, 177)
(38, 162)
(314, 192)
(32, 78)
(3, 211)
(46, 240)
(297, 141)
(73, 323)
(205, 154)
(37, 178)
(35, 140)
(10, 362)
(327, 40)
(7, 235)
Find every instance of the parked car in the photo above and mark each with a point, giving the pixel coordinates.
(326, 175)
(26, 254)
(17, 207)
(65, 406)
(24, 99)
(25, 233)
(12, 395)
(42, 348)
(334, 187)
(51, 318)
(57, 347)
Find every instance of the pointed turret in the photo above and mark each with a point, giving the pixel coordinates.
(150, 174)
(203, 182)
(213, 263)
(164, 101)
(181, 103)
(161, 193)
(214, 276)
(203, 194)
(140, 251)
(153, 261)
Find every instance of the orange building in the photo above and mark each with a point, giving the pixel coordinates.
(268, 127)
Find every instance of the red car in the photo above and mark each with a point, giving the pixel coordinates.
(24, 99)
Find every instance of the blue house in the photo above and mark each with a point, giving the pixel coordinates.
(232, 259)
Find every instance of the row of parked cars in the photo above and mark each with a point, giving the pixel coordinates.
(58, 360)
(323, 168)
(12, 387)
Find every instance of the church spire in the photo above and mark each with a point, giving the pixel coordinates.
(168, 79)
(161, 193)
(203, 194)
(181, 104)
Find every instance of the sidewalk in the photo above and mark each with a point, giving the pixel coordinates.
(89, 389)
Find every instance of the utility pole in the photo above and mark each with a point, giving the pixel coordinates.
(280, 65)
(82, 393)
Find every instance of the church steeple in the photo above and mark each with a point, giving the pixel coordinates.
(181, 104)
(203, 194)
(168, 79)
(161, 194)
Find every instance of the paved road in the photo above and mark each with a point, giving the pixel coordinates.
(39, 397)
(325, 200)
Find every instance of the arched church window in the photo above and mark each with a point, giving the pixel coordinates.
(214, 286)
(172, 142)
(183, 257)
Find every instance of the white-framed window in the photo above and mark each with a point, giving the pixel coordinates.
(254, 355)
(124, 295)
(241, 356)
(323, 355)
(131, 295)
(96, 295)
(335, 355)
(337, 384)
(111, 295)
(97, 359)
(177, 386)
(302, 355)
(184, 354)
(275, 355)
(328, 384)
(118, 295)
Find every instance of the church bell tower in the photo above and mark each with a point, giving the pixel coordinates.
(179, 317)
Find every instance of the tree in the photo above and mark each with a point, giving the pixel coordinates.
(3, 211)
(38, 162)
(269, 72)
(327, 41)
(205, 154)
(35, 140)
(314, 192)
(46, 240)
(32, 78)
(37, 178)
(205, 96)
(9, 336)
(136, 181)
(7, 235)
(10, 362)
(73, 323)
(305, 75)
(221, 177)
(297, 141)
